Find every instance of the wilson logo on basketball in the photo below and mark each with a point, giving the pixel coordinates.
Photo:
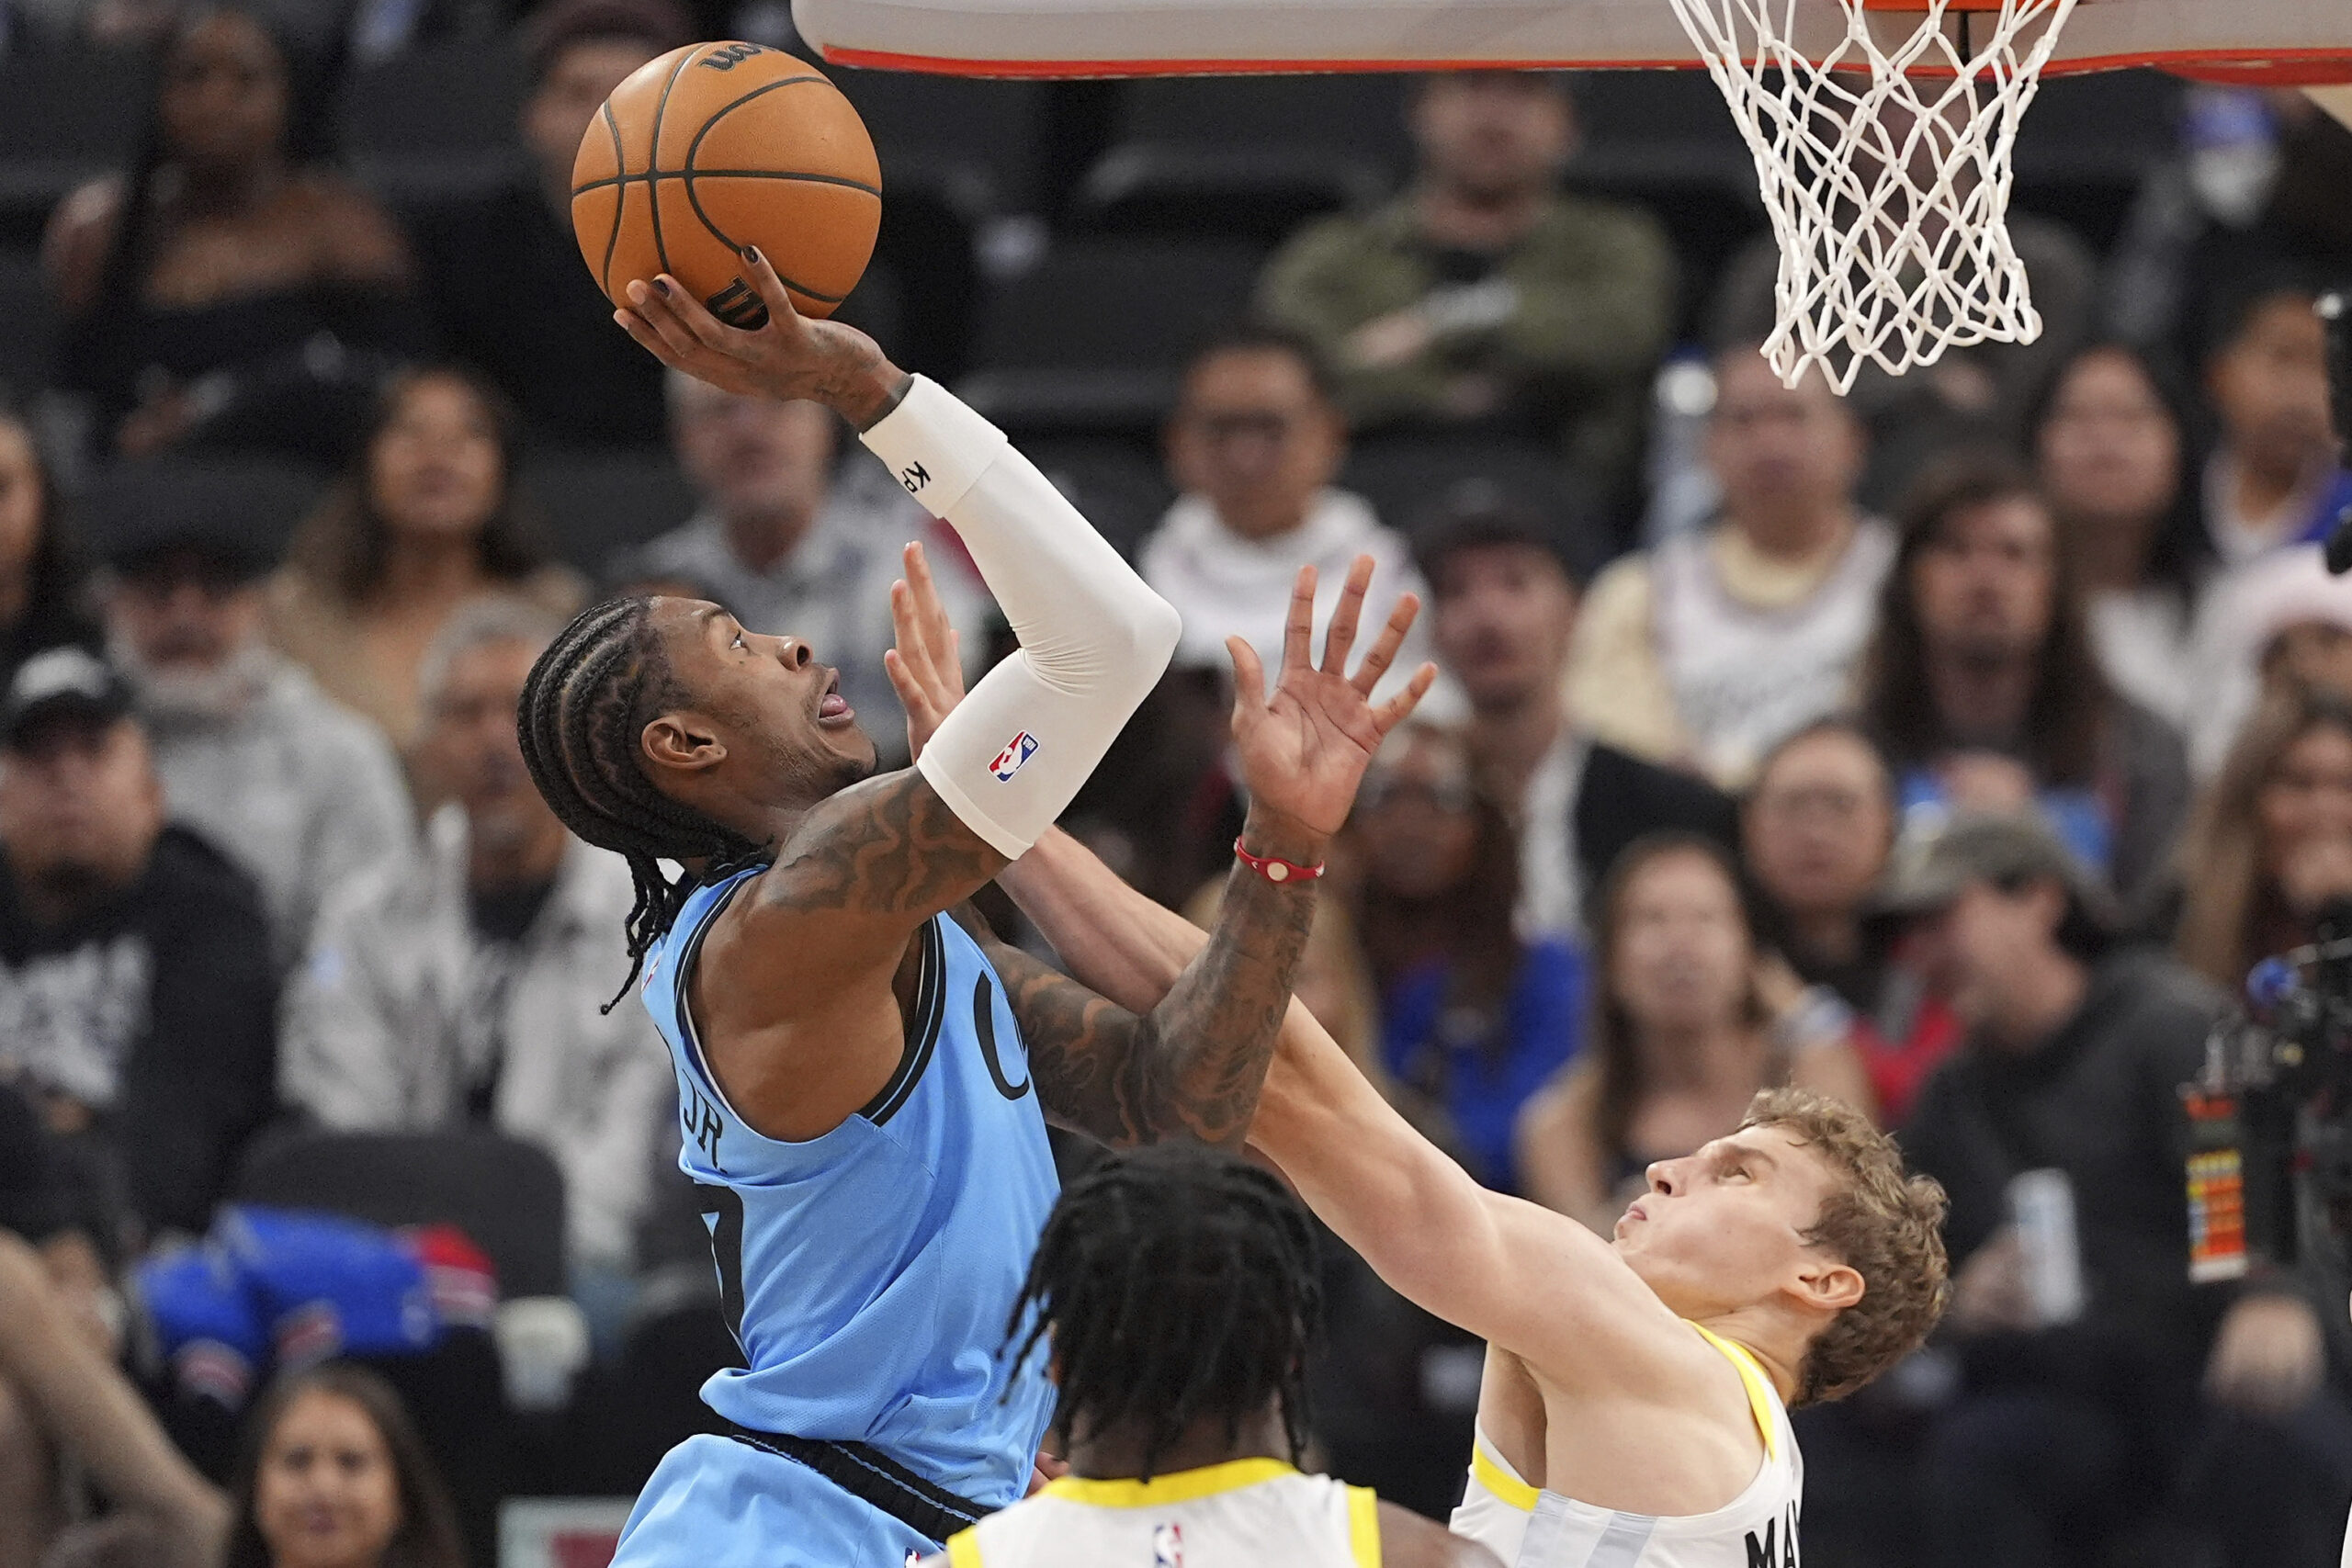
(739, 307)
(1017, 751)
(727, 59)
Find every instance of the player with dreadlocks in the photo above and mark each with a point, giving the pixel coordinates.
(1175, 1291)
(856, 1062)
(1634, 1408)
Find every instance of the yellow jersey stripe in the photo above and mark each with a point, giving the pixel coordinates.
(964, 1549)
(1509, 1488)
(1182, 1486)
(1364, 1527)
(1751, 1377)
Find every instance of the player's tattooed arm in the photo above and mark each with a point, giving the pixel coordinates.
(1192, 1055)
(889, 846)
(1193, 1065)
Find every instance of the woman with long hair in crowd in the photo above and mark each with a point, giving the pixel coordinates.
(229, 286)
(2270, 848)
(333, 1475)
(1690, 1020)
(2111, 448)
(428, 517)
(1474, 1018)
(44, 587)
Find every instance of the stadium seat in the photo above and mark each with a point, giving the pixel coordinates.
(436, 122)
(1092, 337)
(505, 1193)
(64, 118)
(2089, 141)
(1119, 484)
(972, 142)
(1250, 156)
(600, 502)
(1665, 140)
(1407, 477)
(28, 344)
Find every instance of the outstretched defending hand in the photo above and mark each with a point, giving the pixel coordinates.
(791, 356)
(1303, 748)
(927, 666)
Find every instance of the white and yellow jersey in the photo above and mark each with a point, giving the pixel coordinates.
(1241, 1514)
(1528, 1526)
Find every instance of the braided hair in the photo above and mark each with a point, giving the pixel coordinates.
(583, 710)
(1177, 1282)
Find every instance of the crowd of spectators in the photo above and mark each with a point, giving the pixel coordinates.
(1954, 757)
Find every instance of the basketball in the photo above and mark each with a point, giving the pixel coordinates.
(715, 147)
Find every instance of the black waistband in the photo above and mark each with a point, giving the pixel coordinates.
(933, 1512)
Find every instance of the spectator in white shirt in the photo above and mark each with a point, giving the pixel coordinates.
(465, 987)
(1707, 649)
(1253, 447)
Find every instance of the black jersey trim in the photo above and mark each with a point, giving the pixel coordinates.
(867, 1473)
(923, 1027)
(685, 1011)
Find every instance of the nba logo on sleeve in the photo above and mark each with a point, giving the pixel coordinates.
(1017, 750)
(1168, 1547)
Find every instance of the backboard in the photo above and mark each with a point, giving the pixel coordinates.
(2277, 43)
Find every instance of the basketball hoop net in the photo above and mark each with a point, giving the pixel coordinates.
(1885, 170)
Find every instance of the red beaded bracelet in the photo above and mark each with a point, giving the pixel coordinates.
(1277, 871)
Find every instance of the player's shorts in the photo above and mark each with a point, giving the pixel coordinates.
(716, 1503)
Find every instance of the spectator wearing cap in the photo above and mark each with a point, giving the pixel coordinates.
(44, 588)
(2074, 1420)
(501, 273)
(302, 793)
(138, 995)
(1704, 650)
(795, 536)
(1254, 446)
(1817, 828)
(1486, 294)
(469, 985)
(1983, 688)
(1503, 594)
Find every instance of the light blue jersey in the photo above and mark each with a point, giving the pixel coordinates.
(867, 1274)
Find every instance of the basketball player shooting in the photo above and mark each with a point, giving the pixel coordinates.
(1634, 1408)
(865, 1075)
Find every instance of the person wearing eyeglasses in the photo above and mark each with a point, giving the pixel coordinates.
(1254, 446)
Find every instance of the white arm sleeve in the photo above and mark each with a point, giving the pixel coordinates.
(1094, 637)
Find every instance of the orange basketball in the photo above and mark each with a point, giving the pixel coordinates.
(715, 147)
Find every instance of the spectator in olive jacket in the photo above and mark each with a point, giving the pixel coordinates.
(1484, 296)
